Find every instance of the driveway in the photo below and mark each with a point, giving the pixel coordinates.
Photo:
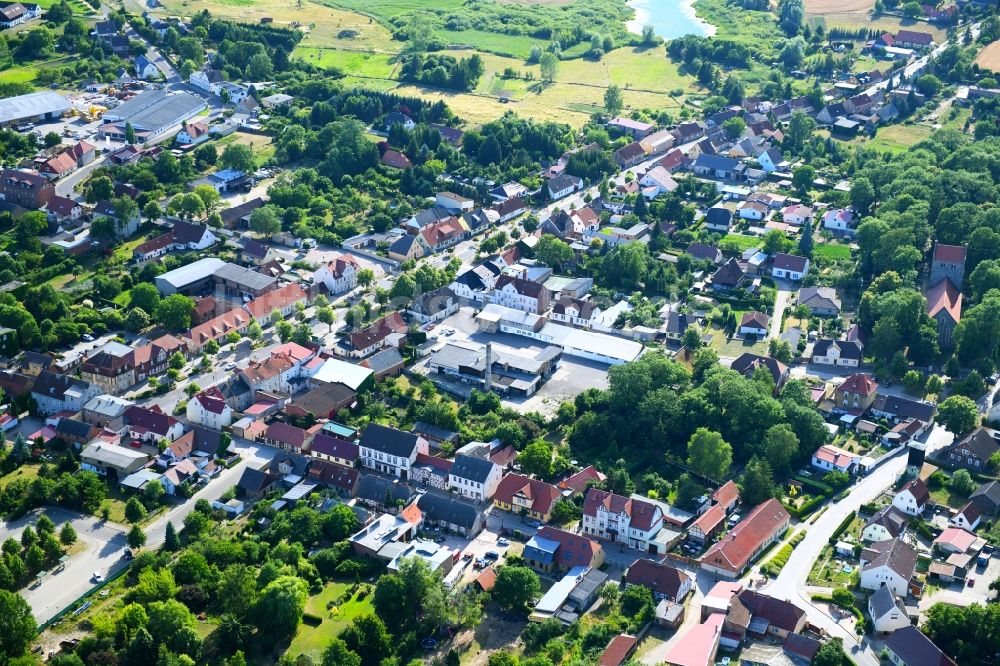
(782, 297)
(791, 582)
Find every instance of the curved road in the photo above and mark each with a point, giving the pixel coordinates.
(790, 584)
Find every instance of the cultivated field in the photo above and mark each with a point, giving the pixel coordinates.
(827, 7)
(989, 57)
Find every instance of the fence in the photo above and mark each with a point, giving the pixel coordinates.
(81, 601)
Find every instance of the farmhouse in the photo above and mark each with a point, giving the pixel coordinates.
(731, 556)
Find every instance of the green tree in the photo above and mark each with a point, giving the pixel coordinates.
(209, 196)
(338, 654)
(67, 535)
(613, 102)
(44, 525)
(803, 177)
(171, 541)
(637, 602)
(136, 537)
(553, 252)
(962, 483)
(781, 447)
(367, 637)
(958, 415)
(174, 312)
(734, 127)
(279, 609)
(536, 459)
(549, 65)
(260, 67)
(758, 482)
(17, 625)
(145, 297)
(708, 454)
(134, 510)
(238, 589)
(265, 221)
(515, 588)
(831, 653)
(239, 157)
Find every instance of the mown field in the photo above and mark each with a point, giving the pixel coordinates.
(989, 57)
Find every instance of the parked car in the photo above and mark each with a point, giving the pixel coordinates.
(98, 577)
(502, 541)
(491, 556)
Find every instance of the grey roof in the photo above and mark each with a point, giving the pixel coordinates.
(189, 273)
(891, 518)
(52, 385)
(905, 408)
(32, 104)
(790, 262)
(849, 349)
(979, 441)
(819, 297)
(472, 468)
(718, 216)
(73, 428)
(155, 109)
(562, 181)
(447, 510)
(433, 302)
(990, 491)
(403, 244)
(389, 440)
(246, 277)
(915, 649)
(715, 162)
(254, 480)
(895, 554)
(678, 322)
(434, 432)
(111, 454)
(372, 488)
(383, 360)
(882, 602)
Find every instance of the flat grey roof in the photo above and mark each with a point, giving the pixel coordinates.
(152, 110)
(32, 104)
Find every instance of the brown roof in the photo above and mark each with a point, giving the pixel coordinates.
(286, 434)
(859, 384)
(728, 493)
(618, 650)
(895, 554)
(735, 550)
(154, 244)
(578, 482)
(78, 150)
(952, 254)
(219, 326)
(61, 163)
(755, 319)
(396, 159)
(542, 495)
(945, 296)
(574, 550)
(259, 371)
(62, 206)
(378, 331)
(709, 521)
(524, 287)
(263, 305)
(919, 491)
(790, 262)
(150, 420)
(778, 613)
(659, 578)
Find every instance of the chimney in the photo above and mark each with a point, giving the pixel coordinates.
(489, 367)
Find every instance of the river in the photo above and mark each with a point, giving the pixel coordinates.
(670, 18)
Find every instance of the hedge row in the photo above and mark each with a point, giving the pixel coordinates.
(842, 527)
(774, 566)
(807, 507)
(806, 481)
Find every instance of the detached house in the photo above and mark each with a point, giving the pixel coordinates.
(338, 275)
(622, 519)
(789, 267)
(391, 451)
(908, 646)
(563, 185)
(829, 458)
(664, 581)
(838, 353)
(530, 497)
(912, 498)
(821, 301)
(888, 564)
(387, 331)
(888, 523)
(209, 408)
(151, 424)
(888, 612)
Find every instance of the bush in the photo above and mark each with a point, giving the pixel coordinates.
(842, 527)
(774, 566)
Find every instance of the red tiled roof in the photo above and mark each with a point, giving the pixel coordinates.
(286, 434)
(618, 650)
(919, 491)
(60, 164)
(727, 494)
(211, 400)
(952, 254)
(642, 514)
(709, 521)
(213, 329)
(738, 547)
(659, 578)
(578, 482)
(944, 296)
(574, 550)
(860, 384)
(541, 494)
(263, 305)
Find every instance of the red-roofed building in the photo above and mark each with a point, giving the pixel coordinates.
(948, 262)
(856, 394)
(63, 208)
(283, 300)
(368, 340)
(663, 580)
(618, 651)
(210, 409)
(396, 159)
(58, 166)
(82, 152)
(708, 524)
(944, 305)
(699, 645)
(578, 482)
(912, 498)
(151, 424)
(731, 556)
(830, 458)
(517, 492)
(236, 320)
(727, 496)
(288, 437)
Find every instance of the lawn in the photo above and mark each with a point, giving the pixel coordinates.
(24, 74)
(899, 138)
(27, 471)
(741, 241)
(262, 145)
(945, 496)
(827, 573)
(733, 348)
(312, 640)
(831, 252)
(358, 63)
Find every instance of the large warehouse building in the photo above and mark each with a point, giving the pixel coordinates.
(33, 107)
(151, 114)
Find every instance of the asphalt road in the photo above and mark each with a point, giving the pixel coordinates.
(790, 584)
(105, 542)
(782, 296)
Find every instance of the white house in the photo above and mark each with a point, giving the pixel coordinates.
(888, 564)
(657, 181)
(912, 498)
(339, 275)
(830, 458)
(887, 611)
(563, 185)
(888, 523)
(144, 69)
(390, 451)
(192, 134)
(474, 477)
(771, 160)
(789, 267)
(621, 519)
(210, 409)
(152, 425)
(574, 311)
(752, 210)
(524, 295)
(191, 236)
(797, 214)
(838, 219)
(967, 518)
(840, 353)
(755, 324)
(206, 79)
(456, 203)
